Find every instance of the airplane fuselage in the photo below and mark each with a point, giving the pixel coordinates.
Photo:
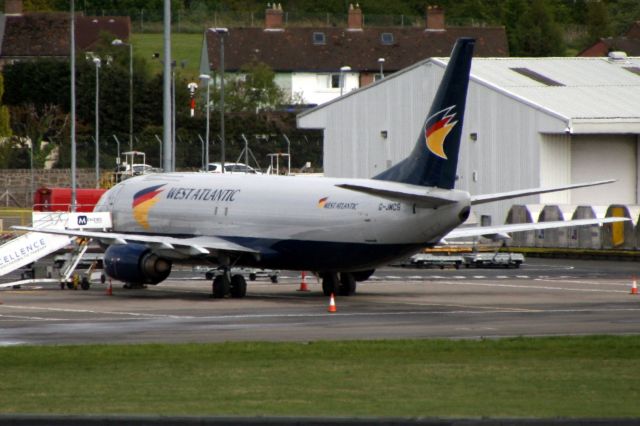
(303, 223)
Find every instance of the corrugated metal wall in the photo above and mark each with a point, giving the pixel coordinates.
(598, 157)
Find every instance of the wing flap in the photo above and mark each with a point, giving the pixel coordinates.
(480, 231)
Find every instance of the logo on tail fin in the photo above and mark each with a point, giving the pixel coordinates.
(437, 128)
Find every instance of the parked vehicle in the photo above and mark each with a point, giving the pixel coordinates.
(252, 273)
(232, 168)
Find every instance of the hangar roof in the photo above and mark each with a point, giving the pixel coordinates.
(587, 92)
(593, 95)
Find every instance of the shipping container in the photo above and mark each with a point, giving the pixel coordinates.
(59, 199)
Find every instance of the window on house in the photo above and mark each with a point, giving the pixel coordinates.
(335, 81)
(386, 38)
(319, 38)
(329, 81)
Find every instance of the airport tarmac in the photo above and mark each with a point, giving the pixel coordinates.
(544, 297)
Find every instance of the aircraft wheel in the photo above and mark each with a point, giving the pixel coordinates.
(85, 284)
(70, 285)
(252, 277)
(330, 283)
(238, 286)
(274, 279)
(347, 284)
(220, 286)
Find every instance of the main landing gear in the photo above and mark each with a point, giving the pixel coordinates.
(225, 283)
(343, 284)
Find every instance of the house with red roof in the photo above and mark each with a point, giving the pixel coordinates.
(314, 65)
(629, 43)
(29, 36)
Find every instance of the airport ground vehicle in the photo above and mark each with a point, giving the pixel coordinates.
(426, 260)
(493, 260)
(251, 273)
(231, 168)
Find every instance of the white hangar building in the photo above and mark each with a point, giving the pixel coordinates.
(529, 122)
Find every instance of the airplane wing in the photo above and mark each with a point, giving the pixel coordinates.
(480, 231)
(193, 245)
(487, 198)
(410, 195)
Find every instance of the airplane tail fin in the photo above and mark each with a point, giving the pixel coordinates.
(434, 159)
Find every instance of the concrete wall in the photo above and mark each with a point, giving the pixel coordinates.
(15, 184)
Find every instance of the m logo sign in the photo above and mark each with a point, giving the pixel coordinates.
(82, 220)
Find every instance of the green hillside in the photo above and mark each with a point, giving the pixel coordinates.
(185, 48)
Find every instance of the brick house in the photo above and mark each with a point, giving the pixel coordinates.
(307, 60)
(27, 36)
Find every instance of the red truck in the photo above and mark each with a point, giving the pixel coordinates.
(59, 199)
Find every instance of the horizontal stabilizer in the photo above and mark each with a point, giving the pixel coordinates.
(410, 194)
(193, 244)
(480, 231)
(487, 198)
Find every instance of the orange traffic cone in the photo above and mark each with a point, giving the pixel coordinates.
(303, 282)
(634, 287)
(110, 289)
(332, 304)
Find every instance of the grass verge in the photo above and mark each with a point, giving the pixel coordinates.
(184, 47)
(522, 377)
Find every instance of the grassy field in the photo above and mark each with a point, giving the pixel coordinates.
(184, 47)
(548, 377)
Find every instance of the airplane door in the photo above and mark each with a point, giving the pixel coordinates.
(369, 234)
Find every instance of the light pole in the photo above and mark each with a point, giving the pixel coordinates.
(343, 77)
(222, 32)
(73, 107)
(207, 80)
(96, 62)
(173, 116)
(118, 152)
(118, 42)
(381, 62)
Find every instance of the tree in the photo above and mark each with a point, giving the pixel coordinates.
(597, 21)
(40, 128)
(254, 90)
(5, 128)
(536, 32)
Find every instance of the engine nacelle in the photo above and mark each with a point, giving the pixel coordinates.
(134, 263)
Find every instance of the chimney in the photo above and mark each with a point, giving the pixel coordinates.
(273, 17)
(13, 7)
(354, 22)
(435, 18)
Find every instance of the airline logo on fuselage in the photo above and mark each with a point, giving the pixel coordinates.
(437, 128)
(324, 203)
(143, 200)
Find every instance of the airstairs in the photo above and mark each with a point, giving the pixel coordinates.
(33, 246)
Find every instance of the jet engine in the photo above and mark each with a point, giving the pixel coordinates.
(135, 263)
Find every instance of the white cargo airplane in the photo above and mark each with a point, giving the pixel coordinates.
(340, 228)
